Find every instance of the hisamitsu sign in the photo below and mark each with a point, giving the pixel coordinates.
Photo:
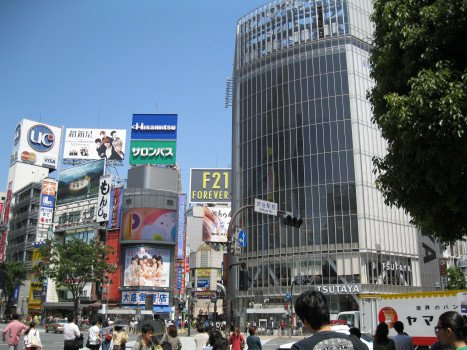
(210, 186)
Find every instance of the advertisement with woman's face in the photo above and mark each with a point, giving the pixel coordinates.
(146, 267)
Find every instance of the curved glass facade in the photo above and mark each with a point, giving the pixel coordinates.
(303, 138)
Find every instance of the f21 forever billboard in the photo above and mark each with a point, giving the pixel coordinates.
(79, 182)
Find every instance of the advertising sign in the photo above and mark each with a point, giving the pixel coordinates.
(6, 214)
(179, 277)
(152, 152)
(215, 224)
(79, 182)
(115, 206)
(49, 187)
(103, 201)
(181, 226)
(36, 143)
(35, 291)
(210, 186)
(90, 144)
(133, 298)
(154, 127)
(204, 294)
(148, 267)
(2, 247)
(149, 224)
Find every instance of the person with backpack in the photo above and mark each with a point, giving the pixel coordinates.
(144, 341)
(217, 340)
(105, 335)
(172, 338)
(32, 340)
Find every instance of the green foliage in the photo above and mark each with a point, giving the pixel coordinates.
(72, 263)
(16, 274)
(419, 102)
(456, 278)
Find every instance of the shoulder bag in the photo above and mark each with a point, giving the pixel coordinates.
(35, 343)
(108, 336)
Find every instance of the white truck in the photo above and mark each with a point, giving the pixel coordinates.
(419, 312)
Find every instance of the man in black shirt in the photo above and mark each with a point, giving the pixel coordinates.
(312, 308)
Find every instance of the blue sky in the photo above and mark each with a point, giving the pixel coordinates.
(94, 63)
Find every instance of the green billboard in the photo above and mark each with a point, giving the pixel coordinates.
(152, 152)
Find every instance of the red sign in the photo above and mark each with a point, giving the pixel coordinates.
(6, 214)
(2, 247)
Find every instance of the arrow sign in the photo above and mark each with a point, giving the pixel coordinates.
(242, 238)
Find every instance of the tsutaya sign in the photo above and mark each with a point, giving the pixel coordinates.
(336, 289)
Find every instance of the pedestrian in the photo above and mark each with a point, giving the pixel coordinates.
(382, 342)
(119, 337)
(32, 339)
(355, 332)
(452, 330)
(70, 333)
(312, 309)
(144, 341)
(236, 339)
(271, 326)
(247, 325)
(282, 326)
(105, 335)
(172, 338)
(93, 332)
(253, 341)
(299, 328)
(202, 338)
(217, 340)
(16, 329)
(402, 340)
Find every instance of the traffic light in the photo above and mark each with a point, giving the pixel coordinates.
(244, 280)
(289, 219)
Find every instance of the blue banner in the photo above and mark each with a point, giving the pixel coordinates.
(181, 227)
(179, 277)
(154, 127)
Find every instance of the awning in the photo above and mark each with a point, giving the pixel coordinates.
(266, 311)
(162, 309)
(97, 304)
(63, 305)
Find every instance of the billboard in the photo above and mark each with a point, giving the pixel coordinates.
(147, 267)
(154, 127)
(149, 224)
(79, 182)
(49, 188)
(93, 144)
(115, 206)
(181, 226)
(215, 224)
(36, 143)
(35, 290)
(210, 185)
(153, 139)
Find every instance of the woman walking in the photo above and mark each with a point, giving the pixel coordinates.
(253, 341)
(236, 339)
(452, 330)
(172, 338)
(119, 337)
(382, 342)
(201, 338)
(94, 341)
(31, 337)
(105, 335)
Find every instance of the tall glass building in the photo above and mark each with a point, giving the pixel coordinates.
(303, 138)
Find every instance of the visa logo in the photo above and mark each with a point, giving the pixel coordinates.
(49, 161)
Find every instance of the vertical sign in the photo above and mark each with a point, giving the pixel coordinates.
(103, 201)
(181, 226)
(442, 273)
(179, 277)
(6, 214)
(114, 222)
(49, 187)
(2, 247)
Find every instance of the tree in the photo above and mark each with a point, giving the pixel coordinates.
(72, 263)
(16, 274)
(455, 278)
(418, 62)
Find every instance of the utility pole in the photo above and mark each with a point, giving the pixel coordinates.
(227, 274)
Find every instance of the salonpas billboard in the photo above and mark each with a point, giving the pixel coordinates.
(153, 139)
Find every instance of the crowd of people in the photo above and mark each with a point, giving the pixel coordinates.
(311, 308)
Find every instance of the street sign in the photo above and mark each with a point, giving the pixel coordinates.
(288, 296)
(265, 207)
(242, 238)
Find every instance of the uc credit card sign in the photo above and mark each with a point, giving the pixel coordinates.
(210, 185)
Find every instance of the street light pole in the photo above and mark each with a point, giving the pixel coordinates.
(228, 289)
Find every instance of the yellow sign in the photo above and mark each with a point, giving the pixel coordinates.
(204, 272)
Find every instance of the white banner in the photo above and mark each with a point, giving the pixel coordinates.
(103, 201)
(91, 144)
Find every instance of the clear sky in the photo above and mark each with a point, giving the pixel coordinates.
(94, 63)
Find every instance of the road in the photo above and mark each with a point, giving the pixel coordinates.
(52, 341)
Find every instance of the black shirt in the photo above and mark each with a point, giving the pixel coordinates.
(327, 340)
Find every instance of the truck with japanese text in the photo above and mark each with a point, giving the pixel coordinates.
(419, 312)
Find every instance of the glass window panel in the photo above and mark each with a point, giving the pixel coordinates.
(326, 137)
(314, 169)
(319, 138)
